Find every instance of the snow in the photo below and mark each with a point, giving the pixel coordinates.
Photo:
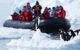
(43, 42)
(25, 39)
(36, 40)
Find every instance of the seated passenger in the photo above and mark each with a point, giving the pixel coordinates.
(45, 14)
(60, 12)
(15, 16)
(26, 14)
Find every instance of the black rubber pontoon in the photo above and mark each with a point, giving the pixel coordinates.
(53, 25)
(19, 24)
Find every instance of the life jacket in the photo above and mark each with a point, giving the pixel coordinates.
(24, 15)
(37, 9)
(59, 14)
(62, 14)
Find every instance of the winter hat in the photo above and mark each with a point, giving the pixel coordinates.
(37, 3)
(28, 3)
(61, 7)
(46, 8)
(53, 8)
(24, 7)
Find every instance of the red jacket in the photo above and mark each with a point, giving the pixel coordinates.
(15, 16)
(45, 14)
(37, 9)
(61, 14)
(26, 15)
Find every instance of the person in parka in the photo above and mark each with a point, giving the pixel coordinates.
(60, 12)
(15, 16)
(26, 15)
(37, 9)
(46, 14)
